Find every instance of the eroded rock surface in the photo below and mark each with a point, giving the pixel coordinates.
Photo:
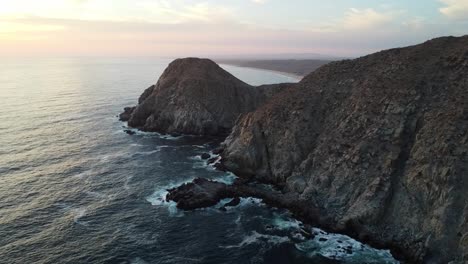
(196, 96)
(375, 147)
(377, 143)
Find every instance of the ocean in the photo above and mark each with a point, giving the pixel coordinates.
(75, 188)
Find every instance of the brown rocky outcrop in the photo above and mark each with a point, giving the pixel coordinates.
(378, 143)
(195, 96)
(374, 147)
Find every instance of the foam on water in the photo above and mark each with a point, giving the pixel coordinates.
(147, 134)
(282, 223)
(150, 152)
(250, 201)
(343, 248)
(158, 198)
(255, 237)
(77, 214)
(329, 245)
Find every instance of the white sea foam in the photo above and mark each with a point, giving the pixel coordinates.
(77, 214)
(226, 178)
(150, 152)
(108, 157)
(83, 174)
(282, 223)
(250, 201)
(158, 198)
(256, 237)
(122, 129)
(343, 248)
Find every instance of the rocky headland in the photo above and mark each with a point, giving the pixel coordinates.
(374, 147)
(196, 96)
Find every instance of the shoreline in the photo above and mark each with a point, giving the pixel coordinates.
(294, 68)
(287, 74)
(195, 195)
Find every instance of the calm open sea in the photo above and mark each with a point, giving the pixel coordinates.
(74, 188)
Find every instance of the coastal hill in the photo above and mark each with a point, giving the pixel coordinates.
(378, 143)
(196, 96)
(376, 146)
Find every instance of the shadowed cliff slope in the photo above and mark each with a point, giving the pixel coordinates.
(195, 96)
(378, 143)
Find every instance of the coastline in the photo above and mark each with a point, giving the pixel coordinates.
(287, 74)
(296, 68)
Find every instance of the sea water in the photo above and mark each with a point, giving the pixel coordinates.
(74, 188)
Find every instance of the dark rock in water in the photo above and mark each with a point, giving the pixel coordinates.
(130, 132)
(220, 166)
(199, 193)
(233, 202)
(174, 134)
(205, 156)
(127, 113)
(196, 96)
(202, 193)
(218, 151)
(378, 143)
(322, 239)
(307, 234)
(212, 160)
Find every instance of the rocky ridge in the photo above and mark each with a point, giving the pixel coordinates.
(379, 144)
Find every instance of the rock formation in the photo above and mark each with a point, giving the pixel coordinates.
(376, 146)
(378, 143)
(195, 96)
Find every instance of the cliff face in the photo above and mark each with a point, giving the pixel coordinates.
(378, 143)
(195, 96)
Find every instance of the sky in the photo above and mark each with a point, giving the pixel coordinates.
(223, 27)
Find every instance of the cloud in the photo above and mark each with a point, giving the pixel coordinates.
(18, 27)
(184, 28)
(176, 12)
(455, 9)
(259, 1)
(198, 38)
(366, 18)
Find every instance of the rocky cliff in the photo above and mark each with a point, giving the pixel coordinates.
(379, 144)
(195, 96)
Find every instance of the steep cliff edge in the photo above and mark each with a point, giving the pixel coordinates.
(378, 143)
(195, 96)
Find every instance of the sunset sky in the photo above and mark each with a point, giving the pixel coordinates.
(230, 27)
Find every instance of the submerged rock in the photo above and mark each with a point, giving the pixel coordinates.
(212, 160)
(205, 156)
(130, 132)
(233, 202)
